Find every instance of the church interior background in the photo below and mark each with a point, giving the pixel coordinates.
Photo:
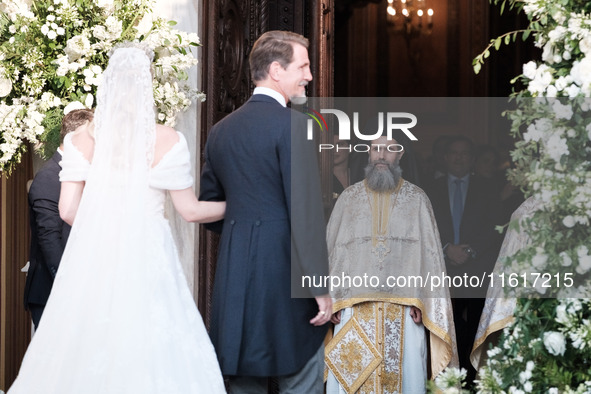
(357, 49)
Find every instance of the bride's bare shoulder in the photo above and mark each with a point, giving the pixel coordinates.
(166, 138)
(83, 139)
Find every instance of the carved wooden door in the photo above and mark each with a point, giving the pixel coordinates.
(15, 322)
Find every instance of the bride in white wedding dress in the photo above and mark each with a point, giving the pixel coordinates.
(121, 318)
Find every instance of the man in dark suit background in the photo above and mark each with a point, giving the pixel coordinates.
(49, 233)
(273, 230)
(467, 209)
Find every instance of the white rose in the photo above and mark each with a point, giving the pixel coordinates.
(529, 69)
(527, 387)
(585, 44)
(114, 25)
(562, 111)
(51, 18)
(539, 261)
(562, 82)
(555, 343)
(581, 71)
(530, 366)
(89, 100)
(52, 35)
(573, 90)
(5, 87)
(100, 32)
(584, 265)
(60, 31)
(77, 47)
(525, 376)
(566, 260)
(569, 221)
(556, 147)
(561, 314)
(45, 29)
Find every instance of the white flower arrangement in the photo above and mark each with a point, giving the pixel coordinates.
(548, 346)
(53, 53)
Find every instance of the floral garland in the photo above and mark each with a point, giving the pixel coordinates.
(552, 123)
(52, 56)
(548, 347)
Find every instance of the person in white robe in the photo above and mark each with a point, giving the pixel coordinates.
(498, 309)
(383, 228)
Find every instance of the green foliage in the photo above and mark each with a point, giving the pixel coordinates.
(52, 55)
(548, 347)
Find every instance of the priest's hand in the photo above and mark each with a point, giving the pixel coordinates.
(336, 317)
(324, 310)
(416, 314)
(457, 254)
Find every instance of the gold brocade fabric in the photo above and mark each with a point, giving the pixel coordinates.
(498, 309)
(366, 354)
(410, 237)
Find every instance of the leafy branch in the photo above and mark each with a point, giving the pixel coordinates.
(506, 38)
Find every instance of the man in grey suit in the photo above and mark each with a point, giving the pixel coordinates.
(49, 233)
(273, 231)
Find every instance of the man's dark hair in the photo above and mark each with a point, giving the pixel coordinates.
(75, 119)
(273, 46)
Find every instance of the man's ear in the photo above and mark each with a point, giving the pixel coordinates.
(274, 70)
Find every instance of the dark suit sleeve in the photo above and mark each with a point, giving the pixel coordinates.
(486, 239)
(44, 202)
(210, 188)
(302, 184)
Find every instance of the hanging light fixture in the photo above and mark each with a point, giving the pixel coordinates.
(410, 17)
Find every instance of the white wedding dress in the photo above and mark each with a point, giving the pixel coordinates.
(116, 325)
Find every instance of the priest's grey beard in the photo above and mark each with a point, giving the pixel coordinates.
(381, 180)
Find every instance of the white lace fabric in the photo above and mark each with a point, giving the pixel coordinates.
(121, 318)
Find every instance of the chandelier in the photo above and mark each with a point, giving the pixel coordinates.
(410, 17)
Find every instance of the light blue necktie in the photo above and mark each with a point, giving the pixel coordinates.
(458, 209)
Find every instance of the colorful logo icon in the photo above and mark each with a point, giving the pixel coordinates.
(317, 117)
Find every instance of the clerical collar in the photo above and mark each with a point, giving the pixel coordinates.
(60, 151)
(271, 93)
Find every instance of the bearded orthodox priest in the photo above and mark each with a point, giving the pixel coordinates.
(382, 235)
